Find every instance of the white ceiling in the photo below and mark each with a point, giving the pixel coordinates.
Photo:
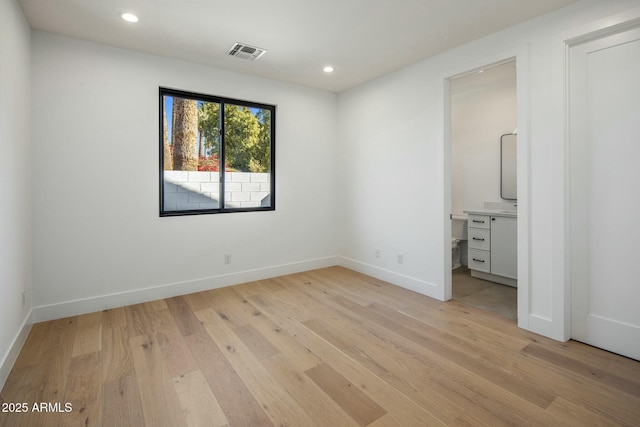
(361, 39)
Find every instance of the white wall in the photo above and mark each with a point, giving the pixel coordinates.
(385, 127)
(15, 184)
(95, 110)
(392, 133)
(483, 107)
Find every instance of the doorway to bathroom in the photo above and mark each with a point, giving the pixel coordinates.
(483, 143)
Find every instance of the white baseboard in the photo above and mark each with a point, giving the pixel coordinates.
(12, 353)
(541, 325)
(407, 282)
(103, 302)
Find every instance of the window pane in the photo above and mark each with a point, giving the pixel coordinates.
(191, 153)
(216, 154)
(247, 153)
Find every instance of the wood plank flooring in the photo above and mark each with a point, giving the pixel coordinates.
(327, 347)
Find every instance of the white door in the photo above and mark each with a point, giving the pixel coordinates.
(604, 105)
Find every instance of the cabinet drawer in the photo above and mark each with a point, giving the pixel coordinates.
(479, 238)
(479, 221)
(480, 260)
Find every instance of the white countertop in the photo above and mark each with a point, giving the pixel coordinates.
(492, 212)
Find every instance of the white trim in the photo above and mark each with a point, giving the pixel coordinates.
(88, 305)
(562, 217)
(443, 152)
(541, 325)
(521, 56)
(12, 353)
(603, 27)
(407, 282)
(523, 93)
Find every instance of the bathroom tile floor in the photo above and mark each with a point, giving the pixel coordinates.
(483, 294)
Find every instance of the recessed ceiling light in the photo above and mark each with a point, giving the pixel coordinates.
(328, 69)
(129, 17)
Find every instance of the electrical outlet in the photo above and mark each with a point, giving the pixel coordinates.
(377, 252)
(227, 258)
(400, 258)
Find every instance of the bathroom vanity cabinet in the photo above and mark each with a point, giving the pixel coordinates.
(493, 246)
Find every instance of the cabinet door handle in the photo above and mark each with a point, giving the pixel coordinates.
(475, 238)
(478, 260)
(477, 220)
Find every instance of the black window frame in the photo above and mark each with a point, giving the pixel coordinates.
(163, 91)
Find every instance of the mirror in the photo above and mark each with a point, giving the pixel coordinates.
(508, 166)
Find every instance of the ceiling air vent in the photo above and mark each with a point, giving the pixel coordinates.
(244, 51)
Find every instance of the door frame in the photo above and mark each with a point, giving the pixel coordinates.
(601, 28)
(520, 55)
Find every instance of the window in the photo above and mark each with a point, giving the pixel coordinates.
(216, 154)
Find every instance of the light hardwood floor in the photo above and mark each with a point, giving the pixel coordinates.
(328, 347)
